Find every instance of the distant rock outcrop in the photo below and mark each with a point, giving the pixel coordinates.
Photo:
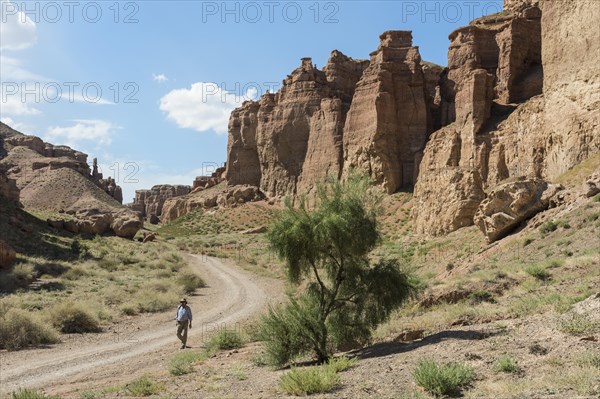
(109, 185)
(219, 195)
(204, 182)
(53, 178)
(149, 203)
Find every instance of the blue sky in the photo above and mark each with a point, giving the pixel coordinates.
(169, 72)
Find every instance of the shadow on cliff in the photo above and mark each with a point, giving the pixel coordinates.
(392, 348)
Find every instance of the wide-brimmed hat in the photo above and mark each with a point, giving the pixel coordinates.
(183, 300)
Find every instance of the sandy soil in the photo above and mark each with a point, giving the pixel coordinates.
(140, 344)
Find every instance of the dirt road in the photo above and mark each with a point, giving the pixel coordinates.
(140, 344)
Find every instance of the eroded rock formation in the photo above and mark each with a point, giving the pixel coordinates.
(215, 196)
(387, 125)
(9, 189)
(511, 203)
(204, 182)
(149, 203)
(518, 102)
(58, 179)
(373, 116)
(29, 156)
(287, 140)
(528, 55)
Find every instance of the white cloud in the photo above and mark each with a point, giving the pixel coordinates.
(21, 127)
(17, 30)
(98, 131)
(202, 107)
(13, 104)
(12, 70)
(160, 78)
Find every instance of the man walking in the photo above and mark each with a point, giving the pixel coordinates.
(184, 319)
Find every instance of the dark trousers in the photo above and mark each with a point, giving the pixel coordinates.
(182, 331)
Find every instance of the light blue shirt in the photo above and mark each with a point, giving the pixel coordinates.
(184, 313)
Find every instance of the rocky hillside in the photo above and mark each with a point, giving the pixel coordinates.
(517, 102)
(57, 181)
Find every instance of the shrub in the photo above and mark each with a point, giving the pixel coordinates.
(538, 272)
(9, 282)
(446, 379)
(307, 381)
(182, 363)
(589, 359)
(283, 332)
(507, 364)
(342, 363)
(151, 302)
(548, 227)
(90, 395)
(527, 241)
(578, 324)
(19, 329)
(593, 217)
(173, 259)
(74, 318)
(537, 349)
(143, 386)
(109, 264)
(31, 394)
(554, 263)
(190, 282)
(227, 339)
(24, 274)
(129, 309)
(596, 198)
(50, 269)
(481, 296)
(564, 225)
(259, 359)
(76, 247)
(75, 273)
(159, 286)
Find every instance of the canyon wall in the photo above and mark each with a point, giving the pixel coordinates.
(387, 124)
(149, 203)
(539, 120)
(518, 101)
(373, 116)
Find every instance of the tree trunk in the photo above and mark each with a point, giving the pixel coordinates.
(321, 349)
